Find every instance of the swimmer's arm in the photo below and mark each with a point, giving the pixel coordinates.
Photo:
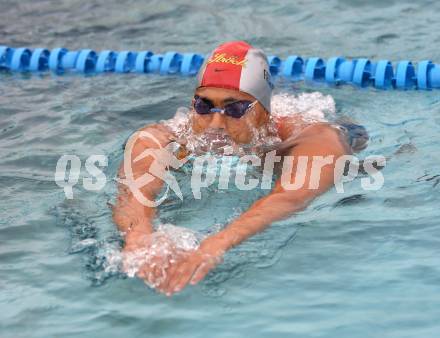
(132, 217)
(319, 140)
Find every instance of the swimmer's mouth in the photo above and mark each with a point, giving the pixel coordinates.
(219, 139)
(216, 135)
(214, 141)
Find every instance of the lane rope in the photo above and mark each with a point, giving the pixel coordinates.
(382, 74)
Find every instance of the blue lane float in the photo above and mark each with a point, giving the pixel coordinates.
(382, 74)
(39, 60)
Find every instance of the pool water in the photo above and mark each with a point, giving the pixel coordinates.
(357, 264)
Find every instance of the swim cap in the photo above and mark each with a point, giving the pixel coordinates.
(237, 65)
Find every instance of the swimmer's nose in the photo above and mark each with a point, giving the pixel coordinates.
(217, 121)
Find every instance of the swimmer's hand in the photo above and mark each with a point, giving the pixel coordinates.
(191, 267)
(148, 256)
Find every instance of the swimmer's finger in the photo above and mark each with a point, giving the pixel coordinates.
(150, 274)
(173, 272)
(144, 272)
(141, 273)
(200, 273)
(165, 280)
(174, 276)
(145, 276)
(184, 279)
(180, 278)
(157, 272)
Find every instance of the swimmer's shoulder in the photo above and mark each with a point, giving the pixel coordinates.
(288, 126)
(296, 126)
(323, 135)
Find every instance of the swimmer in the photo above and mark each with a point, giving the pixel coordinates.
(232, 99)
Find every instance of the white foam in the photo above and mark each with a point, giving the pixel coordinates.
(166, 242)
(313, 107)
(84, 244)
(183, 238)
(180, 121)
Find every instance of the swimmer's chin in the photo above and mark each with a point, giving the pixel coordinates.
(214, 149)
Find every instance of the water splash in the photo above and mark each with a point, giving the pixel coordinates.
(311, 107)
(306, 108)
(183, 238)
(162, 248)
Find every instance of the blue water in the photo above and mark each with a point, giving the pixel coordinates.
(358, 264)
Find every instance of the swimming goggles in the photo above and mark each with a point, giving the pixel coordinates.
(235, 109)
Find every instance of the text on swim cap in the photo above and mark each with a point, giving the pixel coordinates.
(224, 58)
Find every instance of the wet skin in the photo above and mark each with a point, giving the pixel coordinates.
(135, 219)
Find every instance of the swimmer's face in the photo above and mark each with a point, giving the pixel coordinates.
(241, 130)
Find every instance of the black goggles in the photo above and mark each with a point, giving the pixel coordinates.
(235, 109)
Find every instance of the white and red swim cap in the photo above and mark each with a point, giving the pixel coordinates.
(237, 65)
